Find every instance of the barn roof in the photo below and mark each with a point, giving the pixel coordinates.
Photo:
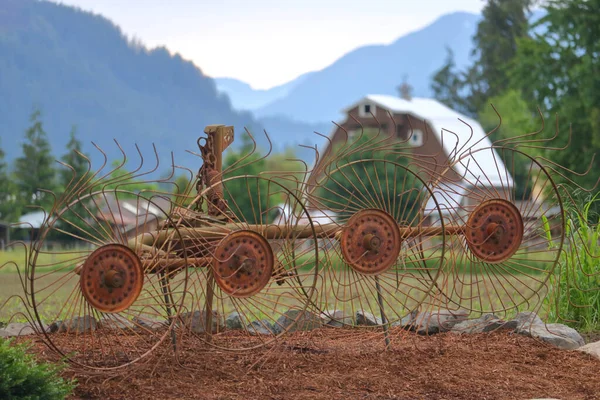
(481, 165)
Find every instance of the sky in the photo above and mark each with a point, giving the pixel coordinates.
(269, 42)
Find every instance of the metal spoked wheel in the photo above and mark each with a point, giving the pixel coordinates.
(507, 235)
(384, 258)
(99, 277)
(254, 265)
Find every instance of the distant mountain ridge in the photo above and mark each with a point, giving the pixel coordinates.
(244, 97)
(320, 96)
(79, 68)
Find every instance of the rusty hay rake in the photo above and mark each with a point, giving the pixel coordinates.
(375, 231)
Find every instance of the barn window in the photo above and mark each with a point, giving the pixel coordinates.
(417, 138)
(365, 110)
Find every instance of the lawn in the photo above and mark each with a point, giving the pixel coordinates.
(459, 283)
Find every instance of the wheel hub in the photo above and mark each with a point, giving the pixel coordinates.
(112, 278)
(243, 263)
(370, 241)
(494, 231)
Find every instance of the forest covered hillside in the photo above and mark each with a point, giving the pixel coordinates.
(79, 69)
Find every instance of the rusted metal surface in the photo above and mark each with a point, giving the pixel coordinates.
(243, 263)
(494, 230)
(112, 278)
(371, 241)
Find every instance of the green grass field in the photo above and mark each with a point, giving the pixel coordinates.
(458, 283)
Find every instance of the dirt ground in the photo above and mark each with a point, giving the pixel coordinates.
(340, 364)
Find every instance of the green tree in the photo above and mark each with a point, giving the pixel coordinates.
(517, 120)
(495, 43)
(559, 69)
(362, 180)
(77, 160)
(248, 197)
(448, 85)
(288, 170)
(504, 23)
(9, 207)
(35, 169)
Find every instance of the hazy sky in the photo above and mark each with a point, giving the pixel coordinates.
(269, 42)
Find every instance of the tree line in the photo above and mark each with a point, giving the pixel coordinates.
(35, 174)
(519, 65)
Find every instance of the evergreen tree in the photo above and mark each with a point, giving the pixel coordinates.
(504, 23)
(35, 170)
(559, 70)
(9, 209)
(248, 197)
(448, 84)
(74, 158)
(495, 46)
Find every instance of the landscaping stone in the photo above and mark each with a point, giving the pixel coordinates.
(406, 322)
(367, 319)
(297, 320)
(147, 323)
(336, 318)
(527, 319)
(116, 321)
(262, 327)
(592, 349)
(17, 329)
(427, 323)
(75, 325)
(474, 325)
(558, 335)
(499, 324)
(196, 321)
(53, 327)
(234, 321)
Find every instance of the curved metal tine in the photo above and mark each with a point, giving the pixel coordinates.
(129, 177)
(82, 179)
(242, 162)
(20, 267)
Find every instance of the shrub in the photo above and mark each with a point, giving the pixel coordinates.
(574, 296)
(21, 377)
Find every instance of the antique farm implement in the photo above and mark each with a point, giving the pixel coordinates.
(236, 260)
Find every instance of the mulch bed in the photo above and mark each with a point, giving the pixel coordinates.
(342, 364)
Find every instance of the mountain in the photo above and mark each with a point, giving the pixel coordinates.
(244, 97)
(79, 69)
(374, 69)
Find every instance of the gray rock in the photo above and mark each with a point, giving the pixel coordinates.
(116, 321)
(407, 321)
(17, 329)
(297, 320)
(499, 324)
(262, 327)
(234, 321)
(526, 319)
(427, 323)
(337, 318)
(592, 349)
(558, 335)
(54, 327)
(196, 321)
(367, 319)
(147, 323)
(75, 325)
(474, 325)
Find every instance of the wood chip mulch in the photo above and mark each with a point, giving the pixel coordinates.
(341, 364)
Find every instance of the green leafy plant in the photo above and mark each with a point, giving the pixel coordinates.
(574, 292)
(21, 377)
